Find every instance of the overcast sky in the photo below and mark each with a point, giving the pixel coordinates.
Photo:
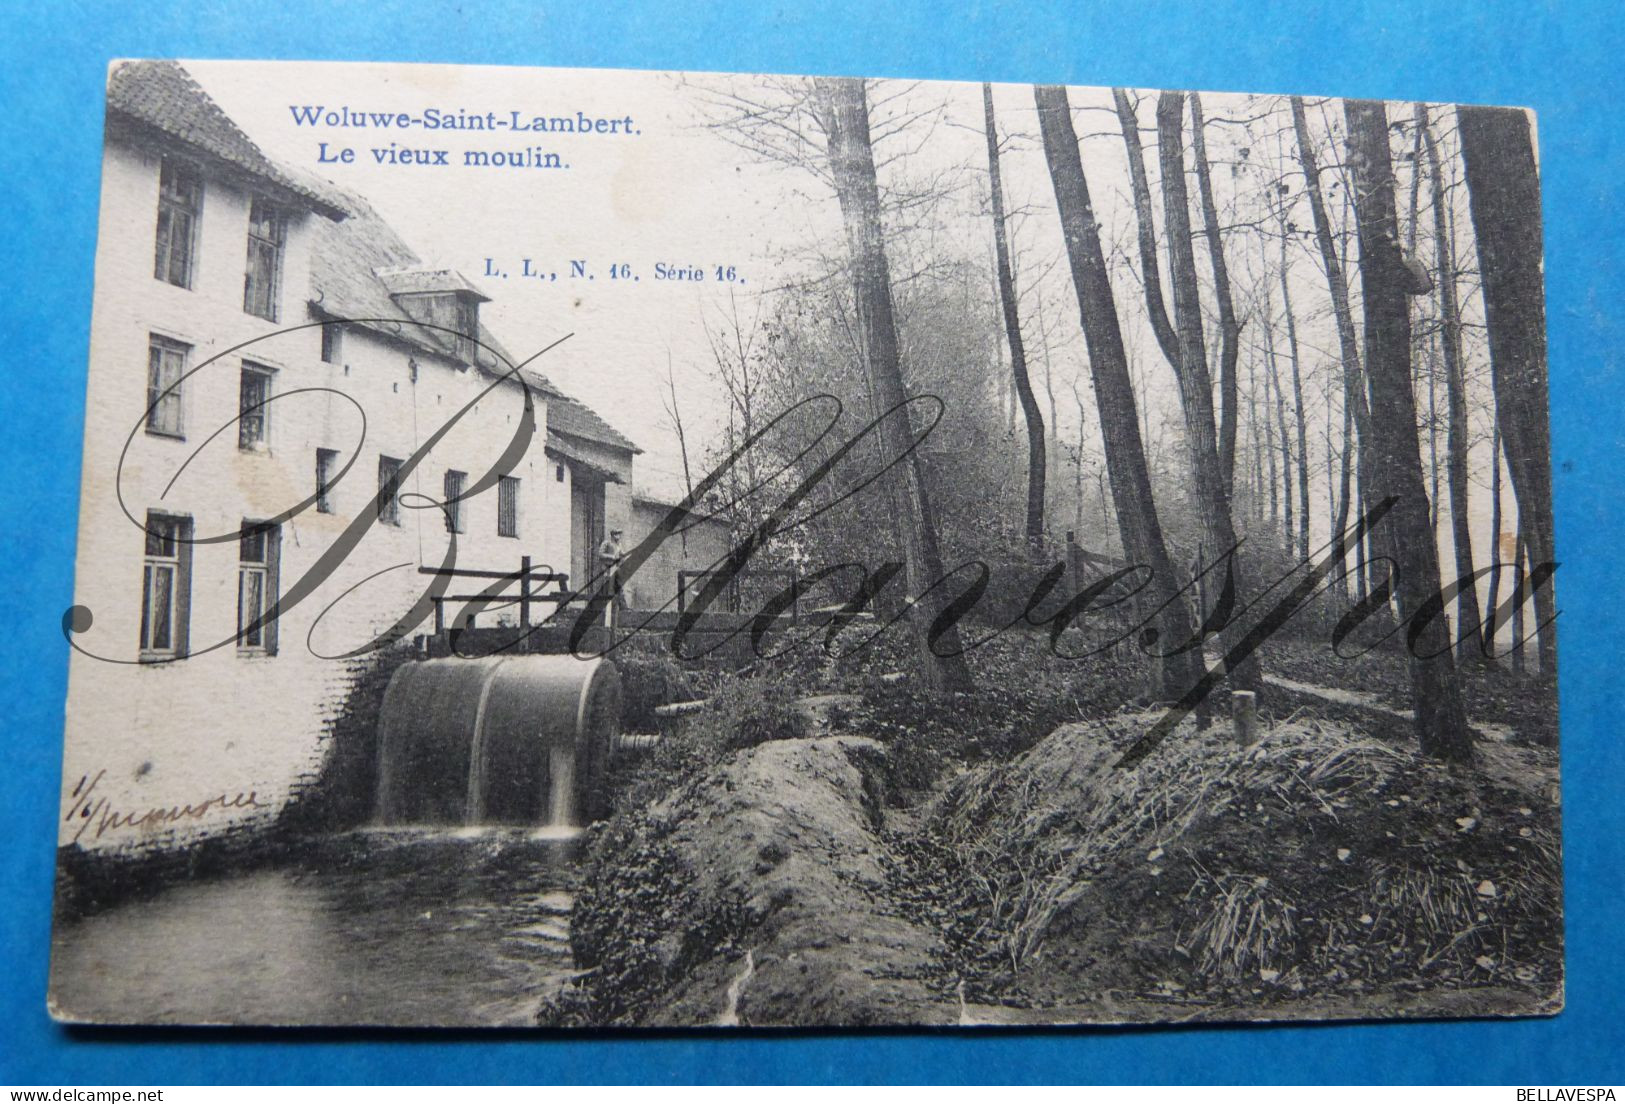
(677, 192)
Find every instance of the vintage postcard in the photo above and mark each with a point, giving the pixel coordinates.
(580, 548)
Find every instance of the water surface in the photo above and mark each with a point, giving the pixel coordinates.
(462, 927)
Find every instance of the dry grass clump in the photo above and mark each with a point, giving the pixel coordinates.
(1315, 859)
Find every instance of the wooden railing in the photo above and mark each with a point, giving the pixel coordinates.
(526, 577)
(788, 579)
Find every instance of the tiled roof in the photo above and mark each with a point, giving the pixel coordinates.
(427, 280)
(347, 260)
(163, 96)
(561, 447)
(576, 419)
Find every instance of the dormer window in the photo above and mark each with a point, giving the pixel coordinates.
(465, 311)
(267, 230)
(455, 316)
(447, 305)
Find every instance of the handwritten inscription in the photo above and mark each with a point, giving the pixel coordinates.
(94, 815)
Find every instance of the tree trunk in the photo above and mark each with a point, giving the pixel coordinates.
(1503, 187)
(1114, 394)
(1362, 565)
(1151, 276)
(844, 112)
(1195, 384)
(1269, 422)
(1052, 428)
(1297, 404)
(1077, 480)
(1288, 528)
(1263, 444)
(1433, 430)
(1332, 476)
(1520, 598)
(1495, 541)
(1354, 388)
(1277, 424)
(1396, 459)
(1468, 615)
(1018, 351)
(1229, 327)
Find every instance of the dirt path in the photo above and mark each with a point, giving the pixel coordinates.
(1488, 730)
(1532, 770)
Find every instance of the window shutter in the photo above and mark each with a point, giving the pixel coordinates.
(273, 586)
(183, 588)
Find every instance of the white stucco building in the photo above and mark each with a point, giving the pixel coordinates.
(267, 360)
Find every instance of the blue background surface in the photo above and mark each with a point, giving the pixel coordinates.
(1562, 59)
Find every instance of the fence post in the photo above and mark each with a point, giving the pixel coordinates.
(1244, 716)
(524, 592)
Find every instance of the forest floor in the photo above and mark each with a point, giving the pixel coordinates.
(905, 860)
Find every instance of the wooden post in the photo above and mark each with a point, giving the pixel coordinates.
(1244, 715)
(524, 592)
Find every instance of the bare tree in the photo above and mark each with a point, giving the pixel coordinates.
(1229, 326)
(1187, 349)
(1354, 388)
(674, 417)
(843, 109)
(1012, 329)
(1468, 616)
(1273, 384)
(1114, 393)
(1386, 283)
(1265, 436)
(1495, 541)
(1297, 403)
(1503, 187)
(737, 365)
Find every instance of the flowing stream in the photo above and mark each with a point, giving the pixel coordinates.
(453, 910)
(402, 926)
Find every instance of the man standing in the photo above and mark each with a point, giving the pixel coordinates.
(610, 555)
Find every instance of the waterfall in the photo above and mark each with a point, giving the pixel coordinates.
(561, 796)
(495, 740)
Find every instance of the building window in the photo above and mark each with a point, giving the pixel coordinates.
(266, 230)
(327, 465)
(166, 364)
(332, 343)
(180, 194)
(165, 586)
(259, 548)
(456, 521)
(508, 506)
(253, 408)
(558, 473)
(389, 490)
